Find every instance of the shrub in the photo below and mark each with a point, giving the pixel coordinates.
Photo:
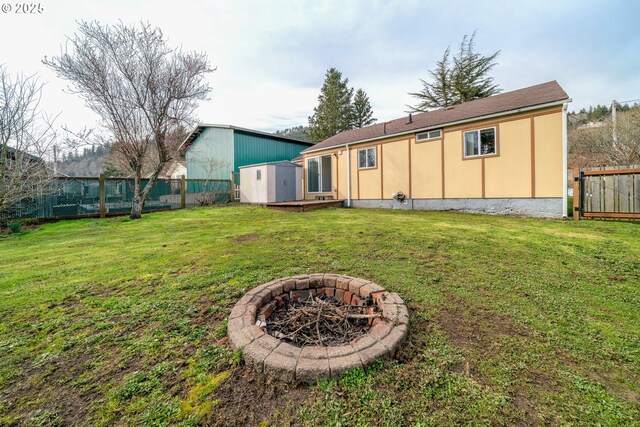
(15, 227)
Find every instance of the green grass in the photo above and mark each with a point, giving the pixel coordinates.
(513, 320)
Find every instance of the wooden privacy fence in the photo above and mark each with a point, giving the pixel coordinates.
(84, 197)
(607, 192)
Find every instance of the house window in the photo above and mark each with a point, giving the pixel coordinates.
(431, 134)
(481, 142)
(319, 174)
(367, 158)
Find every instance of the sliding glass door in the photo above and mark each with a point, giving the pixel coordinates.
(319, 174)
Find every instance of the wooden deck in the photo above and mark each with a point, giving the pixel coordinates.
(305, 205)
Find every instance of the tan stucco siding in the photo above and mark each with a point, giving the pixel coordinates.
(394, 160)
(462, 178)
(521, 168)
(369, 180)
(509, 174)
(548, 155)
(426, 169)
(354, 174)
(342, 174)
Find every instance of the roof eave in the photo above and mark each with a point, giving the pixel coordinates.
(201, 126)
(278, 162)
(454, 123)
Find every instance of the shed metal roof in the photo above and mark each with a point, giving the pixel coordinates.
(278, 163)
(202, 126)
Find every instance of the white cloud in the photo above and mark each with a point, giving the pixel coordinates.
(271, 56)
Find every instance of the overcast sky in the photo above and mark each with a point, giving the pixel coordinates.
(271, 56)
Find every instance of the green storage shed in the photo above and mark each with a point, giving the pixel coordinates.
(214, 151)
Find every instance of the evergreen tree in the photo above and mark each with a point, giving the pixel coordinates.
(438, 93)
(334, 111)
(470, 72)
(464, 79)
(362, 112)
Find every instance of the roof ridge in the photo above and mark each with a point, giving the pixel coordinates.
(492, 97)
(502, 103)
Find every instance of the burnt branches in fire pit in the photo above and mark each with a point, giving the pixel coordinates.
(320, 320)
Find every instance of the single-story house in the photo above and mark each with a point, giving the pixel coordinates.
(214, 151)
(503, 154)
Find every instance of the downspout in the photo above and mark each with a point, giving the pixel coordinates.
(564, 160)
(348, 176)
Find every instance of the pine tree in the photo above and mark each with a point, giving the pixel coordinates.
(334, 111)
(464, 79)
(362, 112)
(470, 72)
(439, 93)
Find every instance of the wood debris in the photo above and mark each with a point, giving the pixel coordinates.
(320, 320)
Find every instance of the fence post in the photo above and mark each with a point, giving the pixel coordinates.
(183, 192)
(232, 191)
(102, 195)
(576, 194)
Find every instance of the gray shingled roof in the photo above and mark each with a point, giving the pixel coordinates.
(541, 94)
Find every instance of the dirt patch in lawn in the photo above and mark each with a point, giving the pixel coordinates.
(480, 333)
(67, 386)
(251, 398)
(246, 237)
(476, 328)
(412, 350)
(49, 389)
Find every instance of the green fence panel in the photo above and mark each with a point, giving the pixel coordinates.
(164, 195)
(80, 197)
(206, 192)
(65, 198)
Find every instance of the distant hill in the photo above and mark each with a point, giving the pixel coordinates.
(301, 133)
(590, 136)
(594, 115)
(87, 162)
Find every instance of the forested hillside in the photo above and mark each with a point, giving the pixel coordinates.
(300, 133)
(88, 161)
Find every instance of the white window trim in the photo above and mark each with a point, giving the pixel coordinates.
(375, 150)
(319, 176)
(427, 132)
(473, 156)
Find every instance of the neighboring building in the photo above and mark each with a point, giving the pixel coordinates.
(11, 154)
(175, 170)
(503, 154)
(214, 151)
(271, 182)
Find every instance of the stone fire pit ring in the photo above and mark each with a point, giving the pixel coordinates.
(308, 364)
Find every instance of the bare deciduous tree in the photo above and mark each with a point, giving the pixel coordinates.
(140, 87)
(596, 146)
(26, 138)
(208, 195)
(117, 161)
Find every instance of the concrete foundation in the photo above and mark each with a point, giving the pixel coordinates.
(542, 207)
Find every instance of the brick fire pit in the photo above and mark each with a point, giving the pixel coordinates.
(307, 364)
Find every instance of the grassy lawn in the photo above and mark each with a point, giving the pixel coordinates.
(514, 321)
